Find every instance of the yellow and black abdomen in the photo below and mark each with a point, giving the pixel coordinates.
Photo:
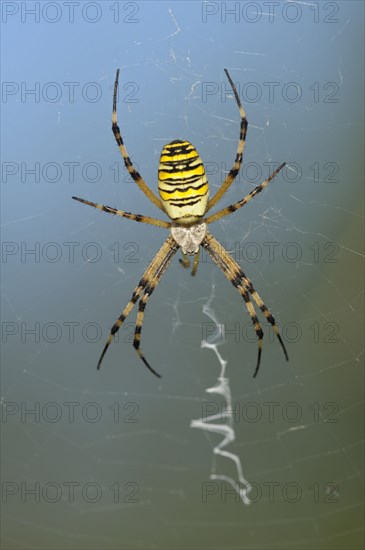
(182, 182)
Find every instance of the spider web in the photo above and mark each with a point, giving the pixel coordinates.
(109, 459)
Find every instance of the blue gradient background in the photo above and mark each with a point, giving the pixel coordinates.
(165, 54)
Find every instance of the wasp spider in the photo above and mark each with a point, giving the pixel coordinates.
(184, 197)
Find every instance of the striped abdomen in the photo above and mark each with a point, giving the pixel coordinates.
(182, 182)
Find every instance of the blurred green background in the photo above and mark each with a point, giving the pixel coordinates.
(120, 437)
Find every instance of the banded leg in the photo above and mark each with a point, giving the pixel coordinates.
(241, 144)
(234, 273)
(154, 272)
(123, 214)
(215, 250)
(127, 161)
(245, 200)
(150, 287)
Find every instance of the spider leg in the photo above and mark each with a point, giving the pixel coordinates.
(138, 330)
(123, 214)
(153, 282)
(149, 280)
(234, 273)
(241, 144)
(233, 207)
(127, 161)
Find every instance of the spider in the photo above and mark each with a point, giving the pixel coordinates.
(184, 197)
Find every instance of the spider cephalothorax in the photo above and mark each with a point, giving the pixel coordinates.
(184, 197)
(189, 237)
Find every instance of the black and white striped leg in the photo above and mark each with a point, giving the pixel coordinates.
(136, 176)
(234, 273)
(150, 279)
(123, 214)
